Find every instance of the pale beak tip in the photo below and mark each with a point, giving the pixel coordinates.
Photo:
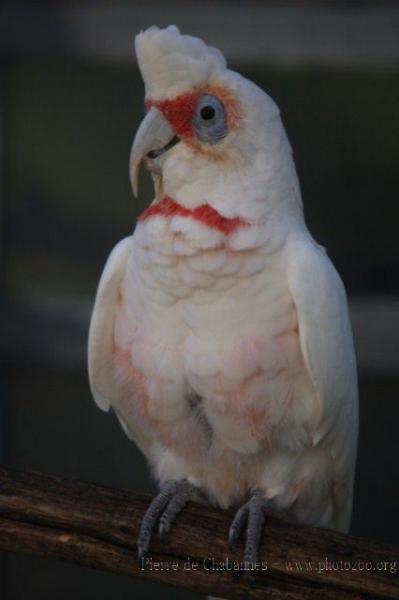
(134, 177)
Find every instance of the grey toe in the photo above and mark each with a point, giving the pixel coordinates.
(256, 519)
(252, 514)
(238, 523)
(151, 517)
(164, 509)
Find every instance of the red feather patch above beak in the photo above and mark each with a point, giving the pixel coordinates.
(179, 112)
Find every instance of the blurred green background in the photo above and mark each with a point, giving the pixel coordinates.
(71, 100)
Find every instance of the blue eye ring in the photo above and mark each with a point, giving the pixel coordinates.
(210, 120)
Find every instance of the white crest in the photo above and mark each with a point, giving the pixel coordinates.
(172, 63)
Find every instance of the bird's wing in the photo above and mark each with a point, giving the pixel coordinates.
(327, 347)
(109, 389)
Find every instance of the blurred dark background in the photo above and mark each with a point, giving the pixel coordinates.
(70, 100)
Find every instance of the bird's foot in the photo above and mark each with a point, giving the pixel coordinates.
(163, 510)
(250, 515)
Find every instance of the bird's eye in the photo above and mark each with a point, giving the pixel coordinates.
(208, 112)
(210, 120)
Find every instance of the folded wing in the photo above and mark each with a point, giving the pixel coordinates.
(108, 386)
(327, 346)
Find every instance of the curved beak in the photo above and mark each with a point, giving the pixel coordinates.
(154, 137)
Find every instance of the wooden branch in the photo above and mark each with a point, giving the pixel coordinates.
(97, 527)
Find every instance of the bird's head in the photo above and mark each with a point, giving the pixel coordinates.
(205, 124)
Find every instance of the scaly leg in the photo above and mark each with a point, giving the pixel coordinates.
(163, 510)
(253, 514)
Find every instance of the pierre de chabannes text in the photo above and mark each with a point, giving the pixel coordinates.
(325, 565)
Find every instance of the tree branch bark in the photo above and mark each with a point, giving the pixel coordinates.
(97, 527)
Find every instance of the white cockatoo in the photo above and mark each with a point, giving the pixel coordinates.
(220, 333)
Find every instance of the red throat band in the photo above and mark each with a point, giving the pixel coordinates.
(204, 213)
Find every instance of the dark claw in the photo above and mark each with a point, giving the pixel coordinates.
(249, 577)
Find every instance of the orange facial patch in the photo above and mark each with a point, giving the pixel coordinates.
(231, 105)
